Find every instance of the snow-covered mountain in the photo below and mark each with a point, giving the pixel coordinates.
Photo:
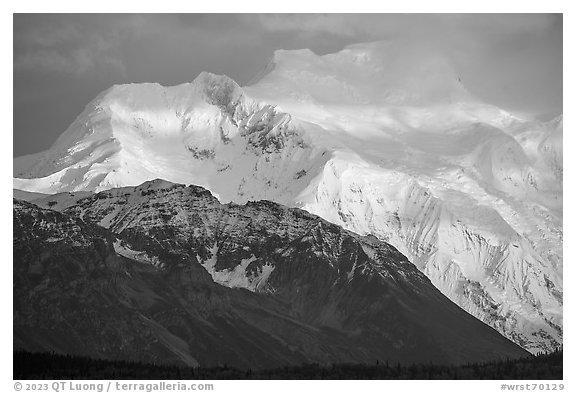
(376, 138)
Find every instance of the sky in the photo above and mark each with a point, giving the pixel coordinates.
(62, 61)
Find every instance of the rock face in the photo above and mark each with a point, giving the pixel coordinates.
(163, 272)
(376, 138)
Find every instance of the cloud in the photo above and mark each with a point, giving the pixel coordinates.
(337, 24)
(379, 26)
(77, 62)
(71, 48)
(511, 60)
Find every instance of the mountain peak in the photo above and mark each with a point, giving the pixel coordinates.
(219, 90)
(156, 184)
(379, 73)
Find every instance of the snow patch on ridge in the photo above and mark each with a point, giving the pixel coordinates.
(138, 256)
(238, 276)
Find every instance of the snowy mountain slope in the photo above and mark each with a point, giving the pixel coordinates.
(207, 131)
(377, 138)
(471, 194)
(315, 292)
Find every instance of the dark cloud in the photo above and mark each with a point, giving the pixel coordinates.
(71, 46)
(61, 61)
(378, 26)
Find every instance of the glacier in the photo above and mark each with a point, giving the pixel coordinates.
(376, 138)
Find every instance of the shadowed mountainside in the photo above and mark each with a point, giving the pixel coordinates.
(165, 273)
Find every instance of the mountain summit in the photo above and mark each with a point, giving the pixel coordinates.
(377, 138)
(379, 73)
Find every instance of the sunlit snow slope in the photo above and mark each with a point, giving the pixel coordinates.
(377, 138)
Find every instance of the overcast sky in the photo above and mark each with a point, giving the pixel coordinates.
(61, 62)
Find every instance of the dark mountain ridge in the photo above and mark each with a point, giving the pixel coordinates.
(164, 273)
